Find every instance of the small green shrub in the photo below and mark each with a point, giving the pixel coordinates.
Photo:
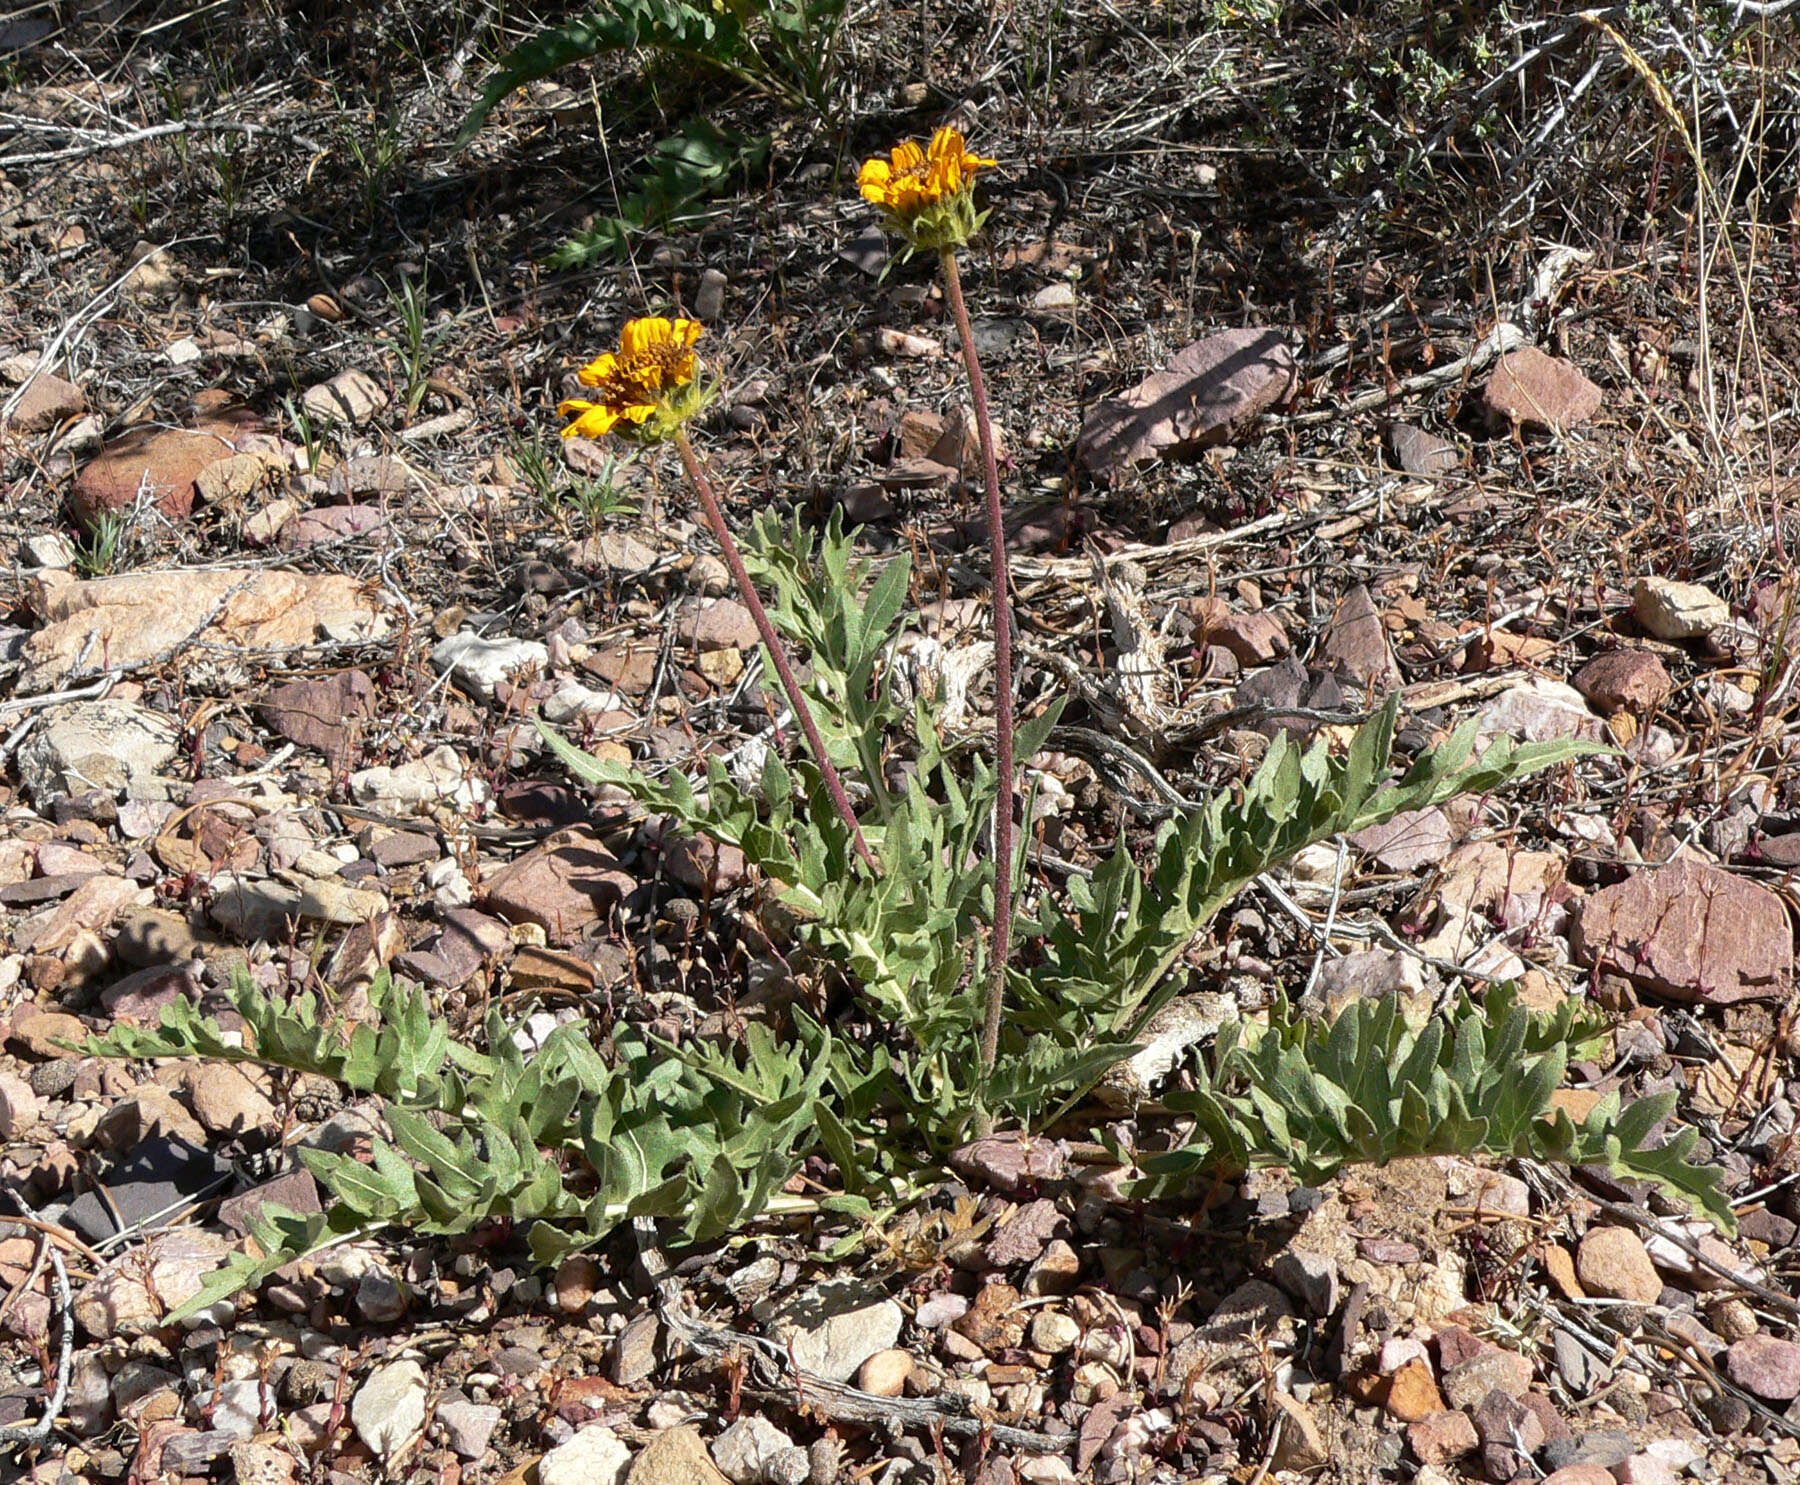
(786, 49)
(579, 1138)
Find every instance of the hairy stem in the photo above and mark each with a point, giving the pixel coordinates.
(772, 642)
(1004, 800)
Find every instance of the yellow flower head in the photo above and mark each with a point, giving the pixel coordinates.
(647, 384)
(928, 194)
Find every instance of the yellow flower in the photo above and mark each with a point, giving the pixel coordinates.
(641, 384)
(928, 194)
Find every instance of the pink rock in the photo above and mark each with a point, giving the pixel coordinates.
(1209, 390)
(1689, 931)
(49, 400)
(160, 463)
(1356, 644)
(564, 885)
(1409, 841)
(1534, 390)
(1766, 1366)
(1442, 1437)
(1624, 679)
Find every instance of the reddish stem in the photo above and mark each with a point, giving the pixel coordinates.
(1004, 800)
(772, 642)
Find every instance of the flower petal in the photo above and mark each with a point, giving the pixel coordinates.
(597, 370)
(639, 336)
(594, 420)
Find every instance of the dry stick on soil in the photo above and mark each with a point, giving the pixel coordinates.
(771, 642)
(1003, 678)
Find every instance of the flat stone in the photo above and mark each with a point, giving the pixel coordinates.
(564, 885)
(1624, 680)
(468, 1426)
(482, 665)
(352, 396)
(1580, 1474)
(296, 1191)
(324, 713)
(833, 1328)
(1689, 931)
(466, 943)
(388, 1410)
(18, 1106)
(676, 1456)
(331, 525)
(721, 625)
(1491, 1368)
(141, 998)
(748, 1451)
(1438, 1438)
(702, 865)
(1540, 710)
(1412, 1393)
(1671, 610)
(1299, 1441)
(404, 848)
(1407, 842)
(1533, 390)
(440, 779)
(1250, 638)
(1010, 1162)
(41, 1033)
(1211, 390)
(1312, 1278)
(1422, 454)
(112, 746)
(159, 465)
(49, 400)
(163, 1276)
(137, 617)
(594, 1456)
(1025, 1234)
(228, 1103)
(1613, 1263)
(1290, 683)
(1356, 643)
(1766, 1366)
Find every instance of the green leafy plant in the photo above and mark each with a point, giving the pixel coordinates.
(680, 174)
(571, 1142)
(100, 549)
(786, 49)
(418, 339)
(588, 1132)
(1371, 1088)
(594, 498)
(783, 49)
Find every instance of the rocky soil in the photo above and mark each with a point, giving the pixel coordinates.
(285, 606)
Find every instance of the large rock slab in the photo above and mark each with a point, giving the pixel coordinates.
(142, 616)
(1209, 391)
(1691, 932)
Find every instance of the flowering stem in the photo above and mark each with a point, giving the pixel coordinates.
(772, 642)
(1004, 798)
